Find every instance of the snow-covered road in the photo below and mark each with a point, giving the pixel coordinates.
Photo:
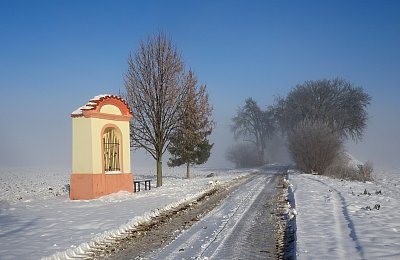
(239, 228)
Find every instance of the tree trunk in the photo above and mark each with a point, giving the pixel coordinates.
(187, 170)
(259, 155)
(159, 171)
(263, 159)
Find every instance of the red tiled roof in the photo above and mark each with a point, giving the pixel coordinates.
(94, 103)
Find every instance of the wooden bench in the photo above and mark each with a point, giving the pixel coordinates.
(136, 185)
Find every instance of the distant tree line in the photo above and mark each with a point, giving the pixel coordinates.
(315, 118)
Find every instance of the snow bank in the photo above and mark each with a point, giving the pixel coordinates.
(105, 238)
(347, 220)
(352, 162)
(43, 223)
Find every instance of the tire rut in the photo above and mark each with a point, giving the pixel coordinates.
(254, 234)
(343, 223)
(150, 237)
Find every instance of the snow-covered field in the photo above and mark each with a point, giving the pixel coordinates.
(347, 220)
(37, 219)
(335, 219)
(27, 184)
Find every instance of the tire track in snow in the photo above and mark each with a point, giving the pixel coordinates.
(339, 229)
(213, 236)
(247, 237)
(343, 223)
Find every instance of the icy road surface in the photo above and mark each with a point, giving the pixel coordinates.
(239, 228)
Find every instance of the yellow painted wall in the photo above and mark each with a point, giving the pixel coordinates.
(81, 145)
(87, 138)
(110, 109)
(127, 147)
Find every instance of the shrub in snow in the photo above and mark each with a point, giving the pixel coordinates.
(346, 167)
(313, 146)
(244, 155)
(366, 171)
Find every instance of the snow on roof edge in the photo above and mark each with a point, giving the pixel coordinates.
(98, 97)
(91, 104)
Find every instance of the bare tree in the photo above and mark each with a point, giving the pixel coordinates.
(251, 124)
(314, 146)
(155, 91)
(189, 143)
(335, 102)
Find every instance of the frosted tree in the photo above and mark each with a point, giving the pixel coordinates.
(318, 116)
(337, 102)
(254, 125)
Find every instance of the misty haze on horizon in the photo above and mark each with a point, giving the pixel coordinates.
(379, 144)
(54, 58)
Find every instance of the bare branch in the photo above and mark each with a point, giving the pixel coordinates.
(154, 91)
(254, 125)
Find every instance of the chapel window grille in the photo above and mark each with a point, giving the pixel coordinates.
(111, 144)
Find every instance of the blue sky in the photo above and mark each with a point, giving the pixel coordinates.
(55, 55)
